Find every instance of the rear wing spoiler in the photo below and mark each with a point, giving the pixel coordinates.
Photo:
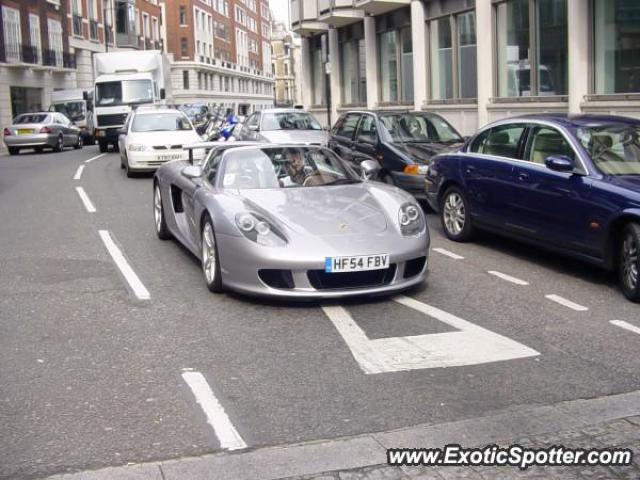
(207, 146)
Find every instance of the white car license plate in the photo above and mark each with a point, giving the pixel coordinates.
(166, 158)
(357, 263)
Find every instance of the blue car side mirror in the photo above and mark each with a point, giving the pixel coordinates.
(560, 163)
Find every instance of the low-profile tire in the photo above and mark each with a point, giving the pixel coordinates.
(130, 173)
(14, 150)
(116, 147)
(629, 266)
(158, 214)
(79, 143)
(454, 215)
(59, 146)
(210, 259)
(103, 147)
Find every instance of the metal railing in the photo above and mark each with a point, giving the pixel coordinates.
(17, 53)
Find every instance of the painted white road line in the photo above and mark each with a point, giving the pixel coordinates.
(626, 326)
(85, 200)
(447, 253)
(469, 345)
(508, 278)
(130, 276)
(566, 303)
(95, 158)
(78, 172)
(227, 434)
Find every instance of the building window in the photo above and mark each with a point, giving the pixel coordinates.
(388, 45)
(34, 33)
(353, 70)
(616, 46)
(453, 57)
(12, 34)
(183, 15)
(406, 64)
(318, 46)
(184, 47)
(55, 40)
(185, 79)
(532, 47)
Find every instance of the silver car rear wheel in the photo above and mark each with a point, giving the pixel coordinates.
(210, 263)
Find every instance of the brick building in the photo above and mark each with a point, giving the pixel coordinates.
(221, 52)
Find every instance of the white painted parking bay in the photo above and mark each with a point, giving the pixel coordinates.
(469, 345)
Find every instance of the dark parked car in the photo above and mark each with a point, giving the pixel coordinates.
(567, 183)
(402, 142)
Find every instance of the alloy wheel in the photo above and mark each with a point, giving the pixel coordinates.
(157, 208)
(454, 213)
(208, 253)
(630, 261)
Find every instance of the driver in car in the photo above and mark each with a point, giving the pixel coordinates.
(295, 166)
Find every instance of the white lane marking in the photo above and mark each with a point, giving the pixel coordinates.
(78, 172)
(626, 326)
(447, 253)
(130, 276)
(95, 158)
(85, 200)
(567, 303)
(508, 278)
(216, 416)
(469, 345)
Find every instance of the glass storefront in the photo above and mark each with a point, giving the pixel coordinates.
(616, 46)
(353, 73)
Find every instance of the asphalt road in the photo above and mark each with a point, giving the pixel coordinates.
(91, 376)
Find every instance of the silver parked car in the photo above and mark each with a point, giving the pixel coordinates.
(291, 221)
(280, 125)
(39, 130)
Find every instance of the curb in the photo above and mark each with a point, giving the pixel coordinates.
(348, 453)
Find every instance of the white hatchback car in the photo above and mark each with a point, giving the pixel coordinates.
(153, 136)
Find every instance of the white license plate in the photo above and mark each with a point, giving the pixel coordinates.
(356, 264)
(166, 158)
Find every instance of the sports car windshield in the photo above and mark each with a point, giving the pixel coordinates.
(615, 149)
(289, 121)
(285, 167)
(419, 128)
(160, 122)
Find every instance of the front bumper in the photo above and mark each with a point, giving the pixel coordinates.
(31, 140)
(241, 261)
(414, 184)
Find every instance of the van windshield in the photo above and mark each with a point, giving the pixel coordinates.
(73, 110)
(124, 92)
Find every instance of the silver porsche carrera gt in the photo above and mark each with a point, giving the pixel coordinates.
(291, 221)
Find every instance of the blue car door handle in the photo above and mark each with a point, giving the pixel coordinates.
(470, 170)
(523, 176)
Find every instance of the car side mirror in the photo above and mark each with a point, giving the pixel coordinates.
(560, 163)
(369, 169)
(192, 171)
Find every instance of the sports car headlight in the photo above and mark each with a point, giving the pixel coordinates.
(137, 147)
(258, 229)
(411, 219)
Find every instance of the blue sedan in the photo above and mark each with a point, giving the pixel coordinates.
(566, 183)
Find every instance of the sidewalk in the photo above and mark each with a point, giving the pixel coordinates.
(612, 421)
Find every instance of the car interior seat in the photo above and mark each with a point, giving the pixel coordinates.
(547, 145)
(499, 144)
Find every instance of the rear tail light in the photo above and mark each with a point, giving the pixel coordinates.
(45, 130)
(7, 132)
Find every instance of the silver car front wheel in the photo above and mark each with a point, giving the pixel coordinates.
(210, 262)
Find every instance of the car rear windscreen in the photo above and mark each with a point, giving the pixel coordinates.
(31, 118)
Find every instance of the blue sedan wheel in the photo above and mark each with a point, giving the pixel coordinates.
(455, 218)
(630, 262)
